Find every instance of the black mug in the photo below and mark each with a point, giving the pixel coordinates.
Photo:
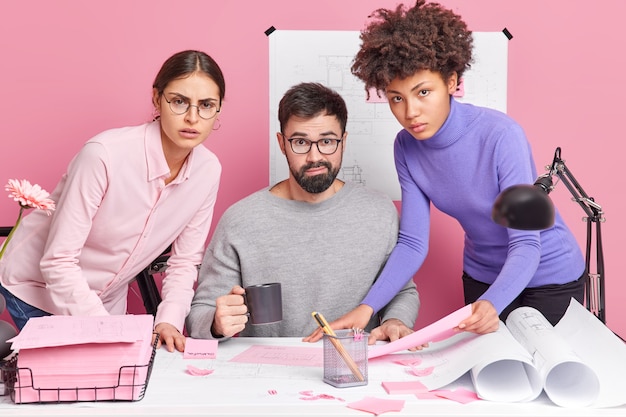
(265, 303)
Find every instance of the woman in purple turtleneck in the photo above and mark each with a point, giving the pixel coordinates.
(458, 157)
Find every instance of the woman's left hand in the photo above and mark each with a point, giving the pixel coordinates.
(484, 318)
(355, 319)
(170, 337)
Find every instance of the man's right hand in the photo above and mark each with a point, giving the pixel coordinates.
(230, 313)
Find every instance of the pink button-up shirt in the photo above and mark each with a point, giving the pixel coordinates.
(114, 216)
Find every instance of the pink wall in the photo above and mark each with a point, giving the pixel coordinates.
(71, 68)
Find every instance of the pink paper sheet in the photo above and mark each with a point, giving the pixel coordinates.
(282, 355)
(90, 366)
(404, 387)
(439, 330)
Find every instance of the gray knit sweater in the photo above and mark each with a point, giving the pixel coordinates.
(326, 257)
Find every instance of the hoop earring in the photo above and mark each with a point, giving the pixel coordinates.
(219, 124)
(156, 113)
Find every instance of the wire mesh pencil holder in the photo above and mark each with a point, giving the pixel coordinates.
(345, 358)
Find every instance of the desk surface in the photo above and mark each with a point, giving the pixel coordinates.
(236, 388)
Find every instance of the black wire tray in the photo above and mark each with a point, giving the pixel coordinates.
(131, 385)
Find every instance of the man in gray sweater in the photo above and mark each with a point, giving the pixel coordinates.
(323, 239)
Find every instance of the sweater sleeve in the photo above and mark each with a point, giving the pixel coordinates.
(404, 306)
(412, 246)
(515, 166)
(520, 266)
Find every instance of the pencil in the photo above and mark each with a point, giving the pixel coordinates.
(337, 344)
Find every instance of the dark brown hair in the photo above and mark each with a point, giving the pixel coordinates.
(185, 63)
(308, 100)
(400, 42)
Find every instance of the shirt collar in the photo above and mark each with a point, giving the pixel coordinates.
(155, 159)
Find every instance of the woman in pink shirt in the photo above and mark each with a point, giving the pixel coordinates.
(126, 196)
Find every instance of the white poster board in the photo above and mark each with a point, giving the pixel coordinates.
(326, 57)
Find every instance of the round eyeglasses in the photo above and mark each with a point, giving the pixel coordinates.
(326, 146)
(207, 109)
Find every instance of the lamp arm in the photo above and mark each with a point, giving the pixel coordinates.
(590, 207)
(528, 207)
(594, 282)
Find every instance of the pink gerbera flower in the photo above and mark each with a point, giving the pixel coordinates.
(28, 196)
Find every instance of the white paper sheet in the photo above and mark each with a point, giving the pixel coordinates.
(566, 378)
(577, 363)
(600, 349)
(325, 56)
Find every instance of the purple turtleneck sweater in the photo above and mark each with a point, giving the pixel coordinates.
(477, 153)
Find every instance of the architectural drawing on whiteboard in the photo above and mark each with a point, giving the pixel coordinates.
(326, 57)
(353, 173)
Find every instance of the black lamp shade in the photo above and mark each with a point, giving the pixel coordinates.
(524, 207)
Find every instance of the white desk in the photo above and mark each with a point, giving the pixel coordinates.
(240, 389)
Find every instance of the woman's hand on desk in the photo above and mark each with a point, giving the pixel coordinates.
(484, 318)
(230, 313)
(170, 337)
(358, 318)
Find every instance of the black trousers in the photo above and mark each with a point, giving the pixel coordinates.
(551, 300)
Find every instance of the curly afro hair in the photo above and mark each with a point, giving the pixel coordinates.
(400, 42)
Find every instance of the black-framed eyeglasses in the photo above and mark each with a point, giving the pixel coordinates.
(207, 109)
(326, 146)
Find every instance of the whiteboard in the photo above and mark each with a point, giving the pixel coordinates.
(297, 56)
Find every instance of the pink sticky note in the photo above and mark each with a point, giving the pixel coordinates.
(310, 396)
(404, 387)
(428, 396)
(192, 370)
(421, 371)
(200, 349)
(408, 362)
(460, 395)
(377, 406)
(460, 89)
(375, 98)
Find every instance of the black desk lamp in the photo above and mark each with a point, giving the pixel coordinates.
(528, 207)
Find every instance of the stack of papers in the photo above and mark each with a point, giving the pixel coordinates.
(68, 358)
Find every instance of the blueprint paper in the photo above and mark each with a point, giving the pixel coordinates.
(577, 363)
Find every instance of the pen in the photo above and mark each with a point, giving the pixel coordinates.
(321, 321)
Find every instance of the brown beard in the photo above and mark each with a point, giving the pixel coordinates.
(317, 183)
